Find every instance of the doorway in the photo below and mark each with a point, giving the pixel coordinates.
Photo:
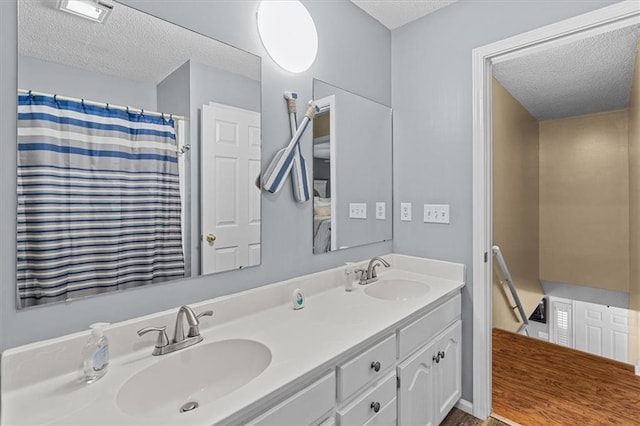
(601, 21)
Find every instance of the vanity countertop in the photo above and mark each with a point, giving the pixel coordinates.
(302, 343)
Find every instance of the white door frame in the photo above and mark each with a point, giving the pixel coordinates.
(602, 20)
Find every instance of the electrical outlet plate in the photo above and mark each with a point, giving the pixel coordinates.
(358, 210)
(436, 213)
(405, 212)
(381, 211)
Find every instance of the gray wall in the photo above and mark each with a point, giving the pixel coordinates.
(600, 296)
(50, 77)
(363, 166)
(354, 52)
(432, 122)
(174, 97)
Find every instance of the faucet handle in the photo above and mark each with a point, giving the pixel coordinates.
(205, 314)
(194, 330)
(361, 274)
(162, 341)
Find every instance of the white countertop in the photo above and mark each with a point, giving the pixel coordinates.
(301, 342)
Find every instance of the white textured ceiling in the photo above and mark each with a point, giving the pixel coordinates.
(395, 13)
(588, 76)
(130, 44)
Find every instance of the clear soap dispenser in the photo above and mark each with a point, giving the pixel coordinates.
(96, 353)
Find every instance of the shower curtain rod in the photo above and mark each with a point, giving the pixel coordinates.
(103, 104)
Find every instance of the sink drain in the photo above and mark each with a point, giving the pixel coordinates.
(189, 406)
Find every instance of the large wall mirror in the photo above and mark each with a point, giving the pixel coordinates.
(138, 146)
(352, 173)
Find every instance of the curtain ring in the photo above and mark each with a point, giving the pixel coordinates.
(106, 107)
(141, 112)
(82, 102)
(55, 99)
(128, 110)
(171, 117)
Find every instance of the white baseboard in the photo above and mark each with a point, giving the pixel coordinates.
(465, 406)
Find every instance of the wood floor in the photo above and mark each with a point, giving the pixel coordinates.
(539, 383)
(460, 418)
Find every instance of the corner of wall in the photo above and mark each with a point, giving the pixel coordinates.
(634, 213)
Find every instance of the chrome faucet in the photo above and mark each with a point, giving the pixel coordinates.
(370, 275)
(164, 346)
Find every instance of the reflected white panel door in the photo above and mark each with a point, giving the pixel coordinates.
(602, 330)
(230, 200)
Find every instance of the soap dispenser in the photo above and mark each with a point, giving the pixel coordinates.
(96, 353)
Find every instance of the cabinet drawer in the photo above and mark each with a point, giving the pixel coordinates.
(359, 371)
(423, 329)
(304, 408)
(386, 417)
(361, 412)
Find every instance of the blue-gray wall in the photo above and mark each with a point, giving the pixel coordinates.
(354, 52)
(53, 78)
(432, 123)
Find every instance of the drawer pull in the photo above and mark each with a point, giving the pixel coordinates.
(375, 406)
(376, 366)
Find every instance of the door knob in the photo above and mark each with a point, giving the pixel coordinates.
(211, 237)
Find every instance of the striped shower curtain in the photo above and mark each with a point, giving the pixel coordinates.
(98, 200)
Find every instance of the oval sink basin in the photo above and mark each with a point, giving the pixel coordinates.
(192, 377)
(401, 290)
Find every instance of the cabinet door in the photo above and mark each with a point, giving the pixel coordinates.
(448, 377)
(415, 392)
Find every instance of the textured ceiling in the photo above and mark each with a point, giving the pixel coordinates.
(588, 76)
(130, 44)
(395, 13)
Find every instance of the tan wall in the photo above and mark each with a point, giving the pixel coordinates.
(634, 209)
(321, 125)
(584, 200)
(515, 205)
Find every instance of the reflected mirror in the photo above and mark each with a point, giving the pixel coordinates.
(138, 146)
(352, 174)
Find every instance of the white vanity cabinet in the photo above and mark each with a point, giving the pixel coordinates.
(430, 381)
(310, 406)
(427, 380)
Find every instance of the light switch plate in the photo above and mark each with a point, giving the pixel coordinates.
(405, 212)
(381, 211)
(436, 213)
(358, 210)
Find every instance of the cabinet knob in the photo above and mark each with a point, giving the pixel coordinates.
(375, 406)
(441, 354)
(376, 366)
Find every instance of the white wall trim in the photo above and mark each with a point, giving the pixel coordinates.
(465, 406)
(602, 20)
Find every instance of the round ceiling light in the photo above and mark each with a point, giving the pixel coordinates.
(288, 33)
